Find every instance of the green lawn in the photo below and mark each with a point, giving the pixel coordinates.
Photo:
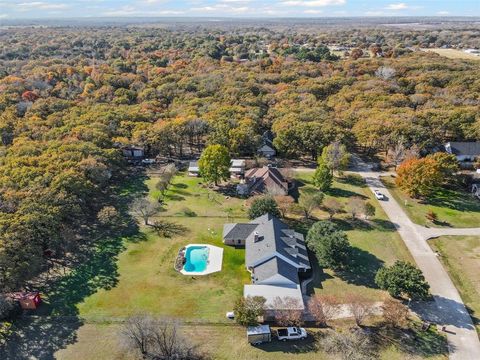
(191, 193)
(461, 257)
(454, 208)
(375, 242)
(146, 281)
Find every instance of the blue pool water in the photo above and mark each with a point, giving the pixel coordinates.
(196, 259)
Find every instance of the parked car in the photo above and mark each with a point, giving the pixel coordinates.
(230, 315)
(259, 334)
(148, 161)
(379, 195)
(291, 333)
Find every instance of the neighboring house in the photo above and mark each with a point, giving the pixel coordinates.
(266, 149)
(133, 153)
(463, 150)
(263, 180)
(237, 168)
(193, 169)
(274, 255)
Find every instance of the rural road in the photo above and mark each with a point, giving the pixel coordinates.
(449, 309)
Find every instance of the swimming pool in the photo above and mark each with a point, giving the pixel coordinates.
(196, 259)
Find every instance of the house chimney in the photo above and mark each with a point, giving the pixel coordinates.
(256, 238)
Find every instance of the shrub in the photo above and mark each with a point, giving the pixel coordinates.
(403, 279)
(262, 206)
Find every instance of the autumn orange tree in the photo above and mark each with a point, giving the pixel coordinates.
(419, 178)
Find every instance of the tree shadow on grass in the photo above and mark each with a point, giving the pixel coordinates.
(413, 341)
(362, 268)
(307, 345)
(337, 192)
(94, 268)
(383, 225)
(352, 179)
(453, 199)
(40, 338)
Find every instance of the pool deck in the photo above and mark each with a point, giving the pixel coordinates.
(215, 258)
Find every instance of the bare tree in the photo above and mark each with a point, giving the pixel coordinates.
(323, 308)
(275, 190)
(356, 206)
(385, 72)
(398, 153)
(288, 311)
(412, 152)
(308, 202)
(144, 209)
(152, 338)
(284, 203)
(355, 345)
(360, 307)
(333, 207)
(395, 313)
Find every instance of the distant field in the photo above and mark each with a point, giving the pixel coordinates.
(453, 54)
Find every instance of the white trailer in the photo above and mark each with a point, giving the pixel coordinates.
(259, 334)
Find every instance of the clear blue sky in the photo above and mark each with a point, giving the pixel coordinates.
(10, 9)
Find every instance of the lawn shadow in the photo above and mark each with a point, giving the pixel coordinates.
(352, 179)
(337, 192)
(307, 345)
(40, 338)
(414, 340)
(93, 268)
(362, 268)
(383, 225)
(173, 197)
(180, 186)
(454, 199)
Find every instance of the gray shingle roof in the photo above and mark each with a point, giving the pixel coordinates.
(272, 267)
(237, 231)
(276, 237)
(464, 148)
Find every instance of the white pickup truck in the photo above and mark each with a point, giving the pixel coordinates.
(291, 333)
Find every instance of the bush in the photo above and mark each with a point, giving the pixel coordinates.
(189, 212)
(330, 244)
(262, 206)
(247, 310)
(403, 279)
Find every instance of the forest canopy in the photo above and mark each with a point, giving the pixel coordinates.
(70, 98)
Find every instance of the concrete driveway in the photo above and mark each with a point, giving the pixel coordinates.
(448, 309)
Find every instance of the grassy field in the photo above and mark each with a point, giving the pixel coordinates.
(100, 342)
(147, 280)
(461, 257)
(375, 242)
(141, 278)
(189, 194)
(453, 54)
(454, 208)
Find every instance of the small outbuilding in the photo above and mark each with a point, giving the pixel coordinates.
(259, 334)
(237, 168)
(266, 148)
(133, 152)
(27, 300)
(193, 169)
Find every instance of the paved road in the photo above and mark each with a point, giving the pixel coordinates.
(449, 309)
